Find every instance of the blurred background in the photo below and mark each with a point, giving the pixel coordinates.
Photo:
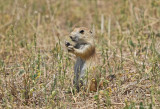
(36, 71)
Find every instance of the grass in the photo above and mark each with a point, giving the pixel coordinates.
(36, 71)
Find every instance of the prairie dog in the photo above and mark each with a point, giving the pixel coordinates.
(84, 49)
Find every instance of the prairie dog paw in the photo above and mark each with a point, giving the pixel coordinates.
(70, 48)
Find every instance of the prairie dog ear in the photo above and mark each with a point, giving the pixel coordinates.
(93, 31)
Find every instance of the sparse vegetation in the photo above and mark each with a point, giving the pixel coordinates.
(36, 71)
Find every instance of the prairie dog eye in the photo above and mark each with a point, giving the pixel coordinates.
(82, 31)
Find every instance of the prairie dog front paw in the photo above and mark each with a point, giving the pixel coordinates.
(70, 48)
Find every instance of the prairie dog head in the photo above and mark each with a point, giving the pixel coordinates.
(81, 35)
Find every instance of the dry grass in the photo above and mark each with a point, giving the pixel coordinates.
(37, 72)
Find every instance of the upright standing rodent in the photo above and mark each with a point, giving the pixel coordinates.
(84, 49)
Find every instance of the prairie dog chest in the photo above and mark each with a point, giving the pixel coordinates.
(80, 63)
